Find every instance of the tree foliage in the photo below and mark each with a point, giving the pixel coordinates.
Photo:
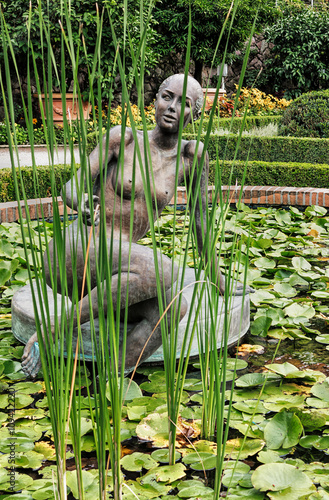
(84, 16)
(207, 21)
(300, 53)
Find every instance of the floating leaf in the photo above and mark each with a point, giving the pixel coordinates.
(323, 339)
(283, 431)
(265, 263)
(321, 390)
(285, 479)
(285, 290)
(240, 448)
(299, 310)
(282, 402)
(166, 473)
(254, 379)
(138, 461)
(250, 406)
(301, 264)
(285, 369)
(162, 456)
(260, 326)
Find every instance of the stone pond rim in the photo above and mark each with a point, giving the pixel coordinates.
(23, 321)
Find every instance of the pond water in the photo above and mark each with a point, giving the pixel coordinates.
(278, 406)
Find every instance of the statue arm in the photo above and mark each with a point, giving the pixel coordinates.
(70, 189)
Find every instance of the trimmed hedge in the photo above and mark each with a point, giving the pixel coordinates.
(225, 123)
(34, 188)
(260, 173)
(268, 149)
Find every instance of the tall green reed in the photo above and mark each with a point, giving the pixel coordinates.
(62, 374)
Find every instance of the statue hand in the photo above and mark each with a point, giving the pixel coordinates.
(31, 362)
(86, 210)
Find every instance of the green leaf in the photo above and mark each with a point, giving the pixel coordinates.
(138, 461)
(321, 390)
(301, 264)
(241, 449)
(323, 339)
(283, 431)
(254, 379)
(281, 402)
(279, 477)
(285, 290)
(162, 456)
(166, 473)
(285, 369)
(260, 326)
(264, 263)
(299, 310)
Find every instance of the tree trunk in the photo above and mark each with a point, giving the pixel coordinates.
(198, 71)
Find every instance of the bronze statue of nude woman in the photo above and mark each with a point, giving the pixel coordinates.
(137, 261)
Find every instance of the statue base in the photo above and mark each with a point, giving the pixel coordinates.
(23, 319)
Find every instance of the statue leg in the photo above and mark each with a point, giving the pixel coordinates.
(146, 337)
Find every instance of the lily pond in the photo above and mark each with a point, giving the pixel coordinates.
(278, 441)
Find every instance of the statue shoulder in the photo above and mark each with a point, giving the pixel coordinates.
(116, 136)
(191, 147)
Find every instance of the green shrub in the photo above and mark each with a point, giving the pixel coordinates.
(34, 187)
(235, 124)
(307, 116)
(275, 149)
(260, 173)
(300, 52)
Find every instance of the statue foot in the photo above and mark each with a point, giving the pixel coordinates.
(31, 362)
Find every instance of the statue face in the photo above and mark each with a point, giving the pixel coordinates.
(169, 104)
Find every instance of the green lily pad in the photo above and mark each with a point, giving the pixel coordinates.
(26, 460)
(279, 477)
(90, 484)
(145, 489)
(301, 264)
(283, 431)
(296, 310)
(284, 402)
(165, 473)
(138, 461)
(285, 369)
(201, 461)
(241, 449)
(162, 456)
(260, 326)
(250, 406)
(154, 428)
(285, 290)
(269, 456)
(255, 379)
(265, 263)
(322, 339)
(321, 390)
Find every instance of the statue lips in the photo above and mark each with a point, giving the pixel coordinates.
(169, 118)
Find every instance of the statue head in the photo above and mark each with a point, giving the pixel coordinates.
(194, 94)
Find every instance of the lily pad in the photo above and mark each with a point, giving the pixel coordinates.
(283, 431)
(242, 448)
(321, 390)
(138, 461)
(282, 478)
(165, 473)
(162, 456)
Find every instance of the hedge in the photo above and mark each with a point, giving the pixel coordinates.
(268, 149)
(39, 187)
(260, 173)
(236, 124)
